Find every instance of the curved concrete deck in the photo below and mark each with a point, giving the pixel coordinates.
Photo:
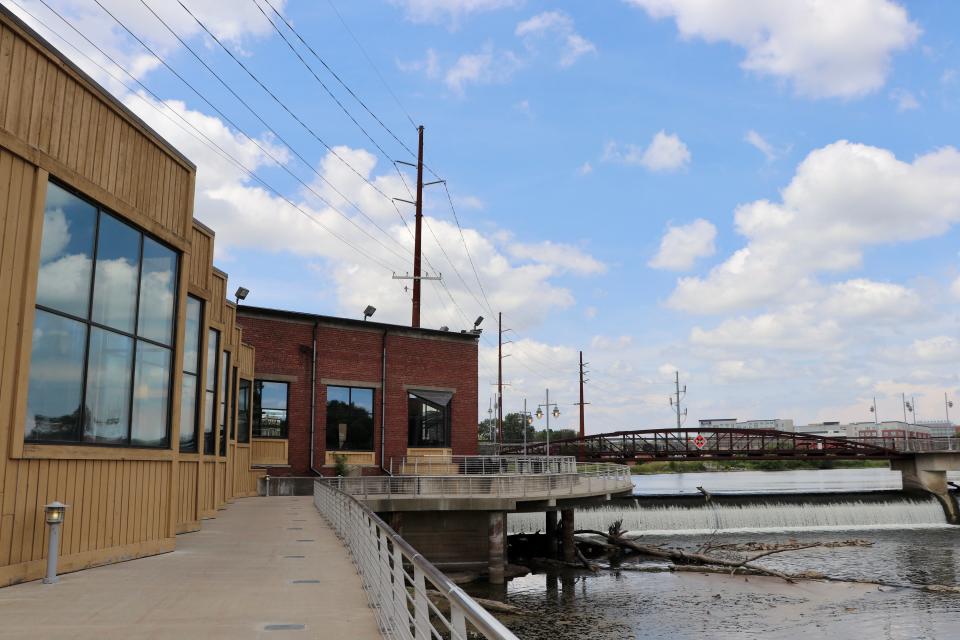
(233, 579)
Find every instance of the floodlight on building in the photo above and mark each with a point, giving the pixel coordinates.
(369, 311)
(241, 294)
(477, 322)
(55, 512)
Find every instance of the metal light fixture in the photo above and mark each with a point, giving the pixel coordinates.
(476, 323)
(55, 512)
(556, 412)
(539, 413)
(369, 311)
(530, 418)
(241, 294)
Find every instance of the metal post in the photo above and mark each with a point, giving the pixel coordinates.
(500, 378)
(417, 233)
(525, 417)
(548, 429)
(53, 550)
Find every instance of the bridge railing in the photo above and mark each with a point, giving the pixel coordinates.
(444, 465)
(912, 445)
(588, 478)
(399, 581)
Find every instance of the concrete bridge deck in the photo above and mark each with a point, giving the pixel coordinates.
(233, 579)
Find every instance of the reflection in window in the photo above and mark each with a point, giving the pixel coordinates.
(429, 416)
(191, 370)
(96, 374)
(243, 412)
(115, 278)
(224, 400)
(209, 408)
(108, 387)
(349, 419)
(66, 253)
(270, 409)
(56, 378)
(150, 398)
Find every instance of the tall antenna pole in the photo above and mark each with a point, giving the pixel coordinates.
(416, 238)
(500, 376)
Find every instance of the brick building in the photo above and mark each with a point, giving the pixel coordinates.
(367, 391)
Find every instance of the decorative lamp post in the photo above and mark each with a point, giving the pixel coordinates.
(55, 512)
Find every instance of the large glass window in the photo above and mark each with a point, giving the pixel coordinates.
(96, 374)
(349, 419)
(270, 409)
(429, 415)
(209, 408)
(243, 411)
(191, 374)
(224, 412)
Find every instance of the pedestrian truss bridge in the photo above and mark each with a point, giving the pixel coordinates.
(647, 445)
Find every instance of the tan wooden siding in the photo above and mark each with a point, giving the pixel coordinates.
(244, 479)
(221, 484)
(187, 516)
(208, 501)
(112, 503)
(219, 306)
(245, 361)
(201, 258)
(17, 242)
(268, 451)
(47, 107)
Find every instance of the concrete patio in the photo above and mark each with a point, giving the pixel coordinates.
(264, 568)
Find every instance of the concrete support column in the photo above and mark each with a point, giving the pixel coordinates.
(498, 560)
(551, 529)
(569, 550)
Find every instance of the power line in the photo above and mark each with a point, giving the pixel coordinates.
(205, 139)
(335, 75)
(280, 138)
(370, 61)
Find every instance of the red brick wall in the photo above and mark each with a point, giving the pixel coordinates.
(284, 347)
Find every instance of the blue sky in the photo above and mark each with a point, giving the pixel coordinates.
(764, 198)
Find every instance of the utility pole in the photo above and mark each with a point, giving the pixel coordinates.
(903, 400)
(676, 403)
(490, 419)
(500, 376)
(417, 233)
(947, 403)
(417, 276)
(582, 404)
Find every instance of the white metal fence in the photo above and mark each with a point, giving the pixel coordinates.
(588, 478)
(441, 465)
(412, 598)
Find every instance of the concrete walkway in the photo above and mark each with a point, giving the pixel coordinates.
(235, 578)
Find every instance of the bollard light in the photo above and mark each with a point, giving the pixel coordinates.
(55, 512)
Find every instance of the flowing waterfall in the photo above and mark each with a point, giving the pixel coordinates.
(772, 516)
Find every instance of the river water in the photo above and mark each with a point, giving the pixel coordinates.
(912, 546)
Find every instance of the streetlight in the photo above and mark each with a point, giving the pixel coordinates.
(540, 414)
(241, 294)
(873, 410)
(55, 512)
(369, 311)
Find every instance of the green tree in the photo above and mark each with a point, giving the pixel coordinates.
(513, 427)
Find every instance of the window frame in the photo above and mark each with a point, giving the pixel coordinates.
(89, 324)
(447, 423)
(214, 403)
(373, 415)
(198, 375)
(257, 410)
(241, 383)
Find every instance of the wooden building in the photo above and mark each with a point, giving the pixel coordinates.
(124, 381)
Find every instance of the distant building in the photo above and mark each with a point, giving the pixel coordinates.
(886, 429)
(721, 423)
(777, 424)
(940, 428)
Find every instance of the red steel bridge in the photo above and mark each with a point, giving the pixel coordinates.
(726, 444)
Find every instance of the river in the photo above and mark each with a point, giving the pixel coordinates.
(911, 546)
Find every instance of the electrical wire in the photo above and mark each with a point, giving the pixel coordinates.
(203, 138)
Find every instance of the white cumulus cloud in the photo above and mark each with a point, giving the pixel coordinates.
(838, 48)
(682, 246)
(560, 26)
(666, 152)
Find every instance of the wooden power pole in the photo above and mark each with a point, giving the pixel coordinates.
(415, 322)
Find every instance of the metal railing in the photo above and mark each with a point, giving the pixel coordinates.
(399, 581)
(445, 465)
(911, 445)
(588, 478)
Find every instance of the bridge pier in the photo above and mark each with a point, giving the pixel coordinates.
(927, 473)
(551, 531)
(569, 548)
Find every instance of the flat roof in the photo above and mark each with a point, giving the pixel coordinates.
(283, 314)
(107, 95)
